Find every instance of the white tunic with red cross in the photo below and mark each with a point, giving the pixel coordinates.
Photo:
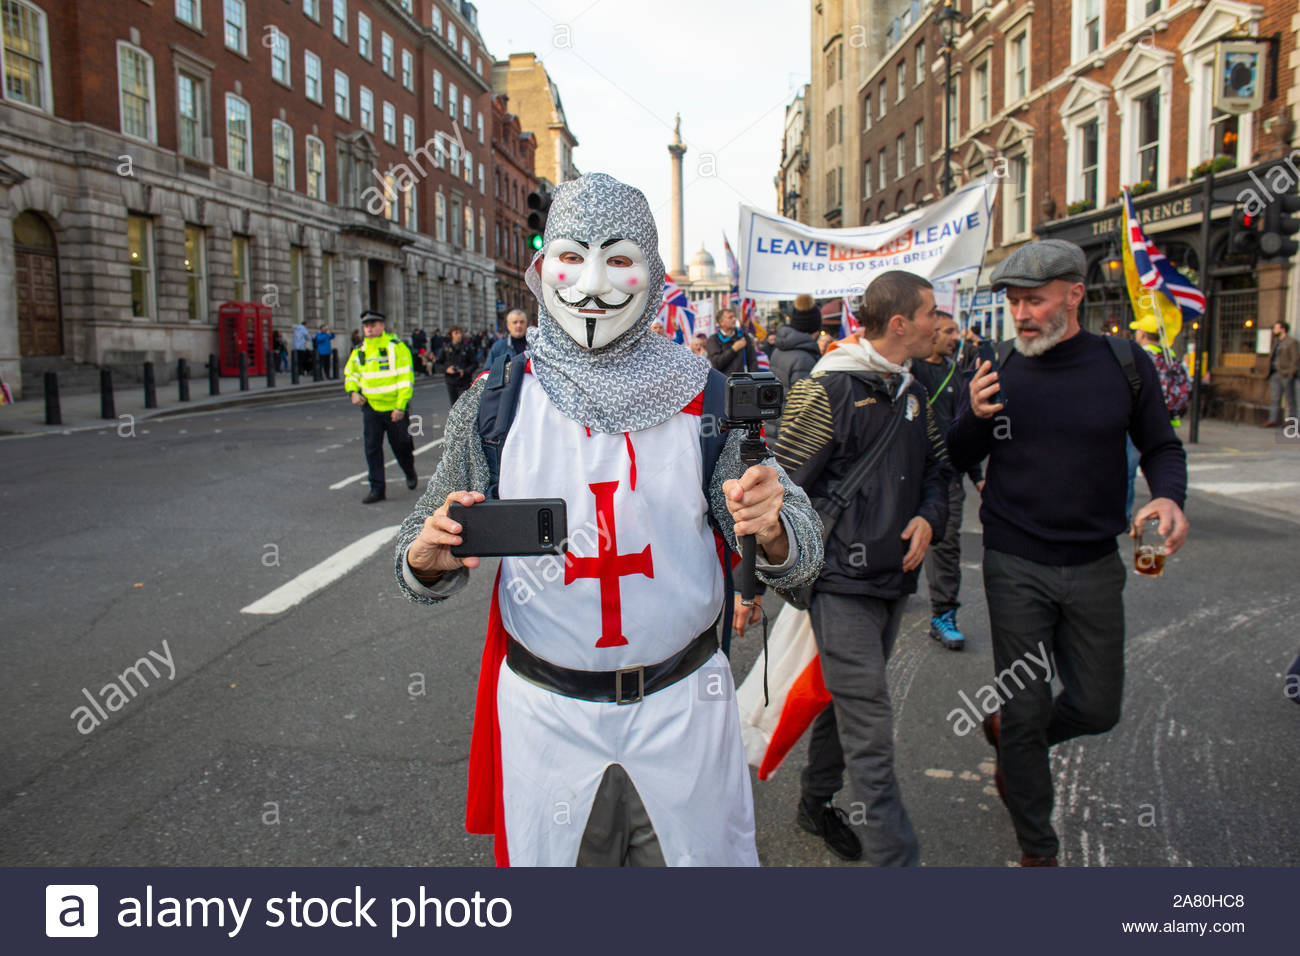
(641, 581)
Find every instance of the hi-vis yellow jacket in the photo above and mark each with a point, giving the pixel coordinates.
(381, 370)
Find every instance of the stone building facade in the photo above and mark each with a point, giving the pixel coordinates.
(160, 158)
(535, 99)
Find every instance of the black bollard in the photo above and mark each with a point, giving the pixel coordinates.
(316, 370)
(293, 367)
(214, 380)
(270, 370)
(150, 391)
(243, 371)
(335, 354)
(183, 380)
(107, 407)
(53, 414)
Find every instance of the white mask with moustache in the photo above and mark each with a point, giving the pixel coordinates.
(595, 291)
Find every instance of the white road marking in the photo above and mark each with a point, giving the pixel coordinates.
(1242, 487)
(1207, 467)
(353, 479)
(322, 575)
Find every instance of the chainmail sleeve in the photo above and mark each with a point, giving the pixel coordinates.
(802, 525)
(462, 468)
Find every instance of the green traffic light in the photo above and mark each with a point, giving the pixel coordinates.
(536, 242)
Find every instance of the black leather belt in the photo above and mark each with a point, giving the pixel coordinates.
(629, 685)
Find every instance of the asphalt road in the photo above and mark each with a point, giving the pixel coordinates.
(336, 732)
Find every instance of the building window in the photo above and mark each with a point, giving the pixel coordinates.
(408, 133)
(311, 70)
(408, 206)
(464, 48)
(453, 149)
(342, 95)
(390, 197)
(1020, 195)
(437, 88)
(311, 8)
(190, 11)
(279, 57)
(980, 95)
(25, 54)
(327, 289)
(918, 132)
(902, 80)
(436, 19)
(866, 113)
(451, 34)
(1018, 67)
(364, 37)
(954, 110)
(236, 25)
(386, 53)
(341, 20)
(466, 112)
(189, 116)
(390, 123)
(239, 266)
(453, 100)
(900, 165)
(295, 283)
(1090, 159)
(469, 169)
(196, 277)
(469, 228)
(866, 178)
(367, 109)
(408, 70)
(440, 217)
(830, 127)
(135, 86)
(881, 170)
(482, 137)
(920, 63)
(139, 247)
(880, 100)
(239, 153)
(1148, 140)
(315, 168)
(1088, 27)
(282, 153)
(482, 236)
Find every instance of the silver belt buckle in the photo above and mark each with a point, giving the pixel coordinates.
(640, 685)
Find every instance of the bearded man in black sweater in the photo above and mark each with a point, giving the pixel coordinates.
(1051, 421)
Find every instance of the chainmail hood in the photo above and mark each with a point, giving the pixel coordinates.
(641, 378)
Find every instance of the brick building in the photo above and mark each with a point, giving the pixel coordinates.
(536, 100)
(160, 158)
(512, 180)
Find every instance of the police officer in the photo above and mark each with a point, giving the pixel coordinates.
(380, 378)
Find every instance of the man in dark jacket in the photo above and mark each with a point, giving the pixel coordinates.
(462, 361)
(873, 556)
(729, 349)
(1052, 420)
(944, 383)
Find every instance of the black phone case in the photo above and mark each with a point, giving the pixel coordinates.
(512, 527)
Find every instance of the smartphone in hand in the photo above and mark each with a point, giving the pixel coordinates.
(511, 527)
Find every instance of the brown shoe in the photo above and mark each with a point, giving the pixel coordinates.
(1027, 860)
(992, 725)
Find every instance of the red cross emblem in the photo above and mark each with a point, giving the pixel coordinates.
(608, 566)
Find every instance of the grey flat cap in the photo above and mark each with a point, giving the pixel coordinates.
(1038, 263)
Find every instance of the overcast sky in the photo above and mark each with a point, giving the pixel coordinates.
(624, 72)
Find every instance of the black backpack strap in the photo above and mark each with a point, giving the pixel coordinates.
(1004, 352)
(712, 440)
(496, 412)
(1123, 349)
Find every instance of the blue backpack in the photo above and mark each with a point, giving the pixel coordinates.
(496, 413)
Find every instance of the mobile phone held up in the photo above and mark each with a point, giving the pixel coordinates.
(511, 527)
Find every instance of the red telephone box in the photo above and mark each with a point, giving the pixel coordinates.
(243, 327)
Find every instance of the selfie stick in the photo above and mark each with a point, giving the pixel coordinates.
(753, 451)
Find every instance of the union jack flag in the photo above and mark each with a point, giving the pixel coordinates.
(676, 313)
(848, 324)
(1157, 272)
(746, 308)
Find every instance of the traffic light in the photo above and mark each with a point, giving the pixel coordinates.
(1243, 235)
(1279, 226)
(540, 203)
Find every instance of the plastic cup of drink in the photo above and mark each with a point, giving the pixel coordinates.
(1149, 550)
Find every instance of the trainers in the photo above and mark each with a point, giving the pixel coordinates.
(943, 628)
(831, 824)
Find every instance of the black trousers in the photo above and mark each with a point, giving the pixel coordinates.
(456, 386)
(1075, 614)
(376, 426)
(943, 563)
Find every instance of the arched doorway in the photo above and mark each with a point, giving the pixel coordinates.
(36, 287)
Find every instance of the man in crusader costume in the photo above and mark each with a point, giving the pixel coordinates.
(606, 730)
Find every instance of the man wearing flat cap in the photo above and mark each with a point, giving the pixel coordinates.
(380, 378)
(1052, 420)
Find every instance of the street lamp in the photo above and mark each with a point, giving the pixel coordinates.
(1113, 264)
(949, 20)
